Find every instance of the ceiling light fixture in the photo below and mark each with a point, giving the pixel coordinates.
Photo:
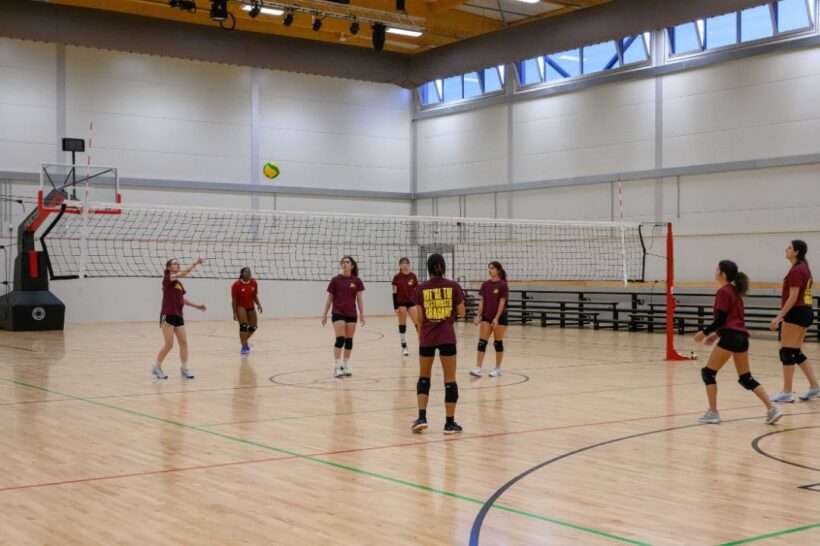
(404, 32)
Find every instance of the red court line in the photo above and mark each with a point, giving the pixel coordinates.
(146, 473)
(348, 451)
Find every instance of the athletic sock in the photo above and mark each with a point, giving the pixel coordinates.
(451, 420)
(423, 414)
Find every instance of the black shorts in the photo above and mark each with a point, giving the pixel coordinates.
(344, 318)
(443, 350)
(406, 305)
(801, 316)
(173, 320)
(733, 341)
(503, 320)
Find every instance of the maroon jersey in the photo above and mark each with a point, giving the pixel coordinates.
(405, 287)
(800, 277)
(727, 300)
(438, 299)
(491, 292)
(173, 296)
(244, 293)
(344, 291)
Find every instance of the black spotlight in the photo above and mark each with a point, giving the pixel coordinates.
(219, 10)
(184, 5)
(255, 10)
(288, 20)
(378, 36)
(317, 24)
(400, 5)
(354, 28)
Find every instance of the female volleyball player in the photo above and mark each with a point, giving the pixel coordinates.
(438, 302)
(730, 326)
(244, 294)
(404, 285)
(492, 317)
(171, 321)
(796, 316)
(344, 294)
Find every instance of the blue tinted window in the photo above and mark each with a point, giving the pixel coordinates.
(755, 23)
(528, 72)
(566, 64)
(792, 15)
(721, 30)
(600, 57)
(491, 80)
(634, 50)
(472, 85)
(684, 38)
(428, 93)
(452, 89)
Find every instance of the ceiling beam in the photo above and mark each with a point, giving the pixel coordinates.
(146, 35)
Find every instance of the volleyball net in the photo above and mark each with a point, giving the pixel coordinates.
(137, 240)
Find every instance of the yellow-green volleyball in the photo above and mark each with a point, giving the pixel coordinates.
(270, 170)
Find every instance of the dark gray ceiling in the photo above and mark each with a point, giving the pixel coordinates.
(40, 21)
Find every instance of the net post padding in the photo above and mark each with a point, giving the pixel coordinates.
(283, 245)
(672, 355)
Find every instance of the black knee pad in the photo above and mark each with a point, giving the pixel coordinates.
(243, 326)
(482, 345)
(348, 343)
(789, 356)
(451, 393)
(708, 375)
(800, 358)
(340, 342)
(499, 346)
(402, 328)
(252, 329)
(423, 386)
(748, 382)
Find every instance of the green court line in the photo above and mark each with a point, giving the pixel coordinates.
(771, 535)
(360, 471)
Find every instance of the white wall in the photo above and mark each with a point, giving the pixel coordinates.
(28, 103)
(174, 119)
(604, 129)
(463, 150)
(162, 118)
(755, 108)
(326, 132)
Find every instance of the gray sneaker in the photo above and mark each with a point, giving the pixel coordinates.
(811, 394)
(710, 418)
(783, 398)
(773, 415)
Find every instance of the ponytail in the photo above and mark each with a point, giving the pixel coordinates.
(741, 283)
(737, 278)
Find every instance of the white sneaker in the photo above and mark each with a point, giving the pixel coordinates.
(186, 373)
(496, 372)
(157, 372)
(773, 415)
(405, 352)
(710, 418)
(475, 372)
(347, 369)
(339, 371)
(811, 394)
(783, 398)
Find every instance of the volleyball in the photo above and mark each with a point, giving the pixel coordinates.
(270, 170)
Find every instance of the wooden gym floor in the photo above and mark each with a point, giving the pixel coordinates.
(272, 450)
